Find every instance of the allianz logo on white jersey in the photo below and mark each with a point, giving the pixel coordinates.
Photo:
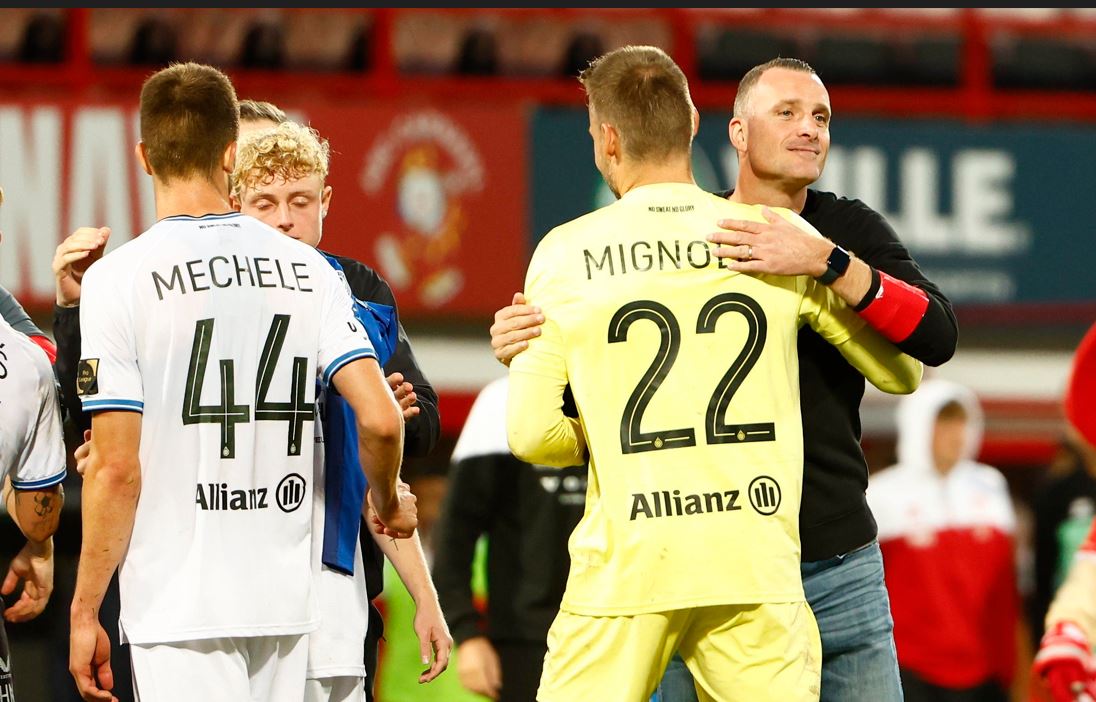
(289, 495)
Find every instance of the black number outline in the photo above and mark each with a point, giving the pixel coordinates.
(297, 410)
(228, 414)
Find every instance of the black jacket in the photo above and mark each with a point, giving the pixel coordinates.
(834, 517)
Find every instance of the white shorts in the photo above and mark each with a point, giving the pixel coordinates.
(221, 670)
(341, 689)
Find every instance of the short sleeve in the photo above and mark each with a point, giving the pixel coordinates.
(42, 460)
(108, 376)
(343, 338)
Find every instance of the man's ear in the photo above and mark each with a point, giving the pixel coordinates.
(737, 133)
(696, 121)
(142, 157)
(325, 199)
(228, 161)
(234, 202)
(611, 142)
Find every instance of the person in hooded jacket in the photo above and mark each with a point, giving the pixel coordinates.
(946, 530)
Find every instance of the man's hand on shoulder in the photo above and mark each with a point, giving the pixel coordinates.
(775, 246)
(514, 325)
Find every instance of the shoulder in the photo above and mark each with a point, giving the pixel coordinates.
(365, 282)
(823, 208)
(19, 352)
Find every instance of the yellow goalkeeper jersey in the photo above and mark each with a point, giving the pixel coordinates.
(687, 384)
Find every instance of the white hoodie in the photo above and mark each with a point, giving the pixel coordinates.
(947, 544)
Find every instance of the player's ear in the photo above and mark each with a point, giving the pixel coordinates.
(234, 202)
(325, 200)
(228, 162)
(610, 140)
(142, 157)
(696, 121)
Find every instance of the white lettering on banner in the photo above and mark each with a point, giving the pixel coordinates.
(30, 173)
(102, 178)
(99, 193)
(982, 198)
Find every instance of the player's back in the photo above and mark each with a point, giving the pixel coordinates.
(216, 329)
(686, 379)
(31, 449)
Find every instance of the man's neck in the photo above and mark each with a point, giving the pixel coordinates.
(193, 196)
(629, 178)
(751, 190)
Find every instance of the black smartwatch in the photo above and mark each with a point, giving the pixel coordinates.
(836, 265)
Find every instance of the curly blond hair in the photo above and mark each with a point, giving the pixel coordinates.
(289, 151)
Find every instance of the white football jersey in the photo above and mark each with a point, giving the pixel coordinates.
(336, 648)
(32, 451)
(216, 328)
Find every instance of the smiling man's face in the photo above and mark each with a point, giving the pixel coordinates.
(788, 126)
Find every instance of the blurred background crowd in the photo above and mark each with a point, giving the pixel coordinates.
(458, 140)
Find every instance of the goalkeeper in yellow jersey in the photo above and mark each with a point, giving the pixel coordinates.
(686, 380)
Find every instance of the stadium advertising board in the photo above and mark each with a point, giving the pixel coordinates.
(434, 199)
(995, 214)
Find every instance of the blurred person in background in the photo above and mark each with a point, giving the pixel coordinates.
(526, 513)
(1065, 661)
(1064, 507)
(780, 130)
(947, 531)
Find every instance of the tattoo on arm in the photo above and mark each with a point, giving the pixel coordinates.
(43, 505)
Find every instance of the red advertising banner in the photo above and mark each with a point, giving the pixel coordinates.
(434, 199)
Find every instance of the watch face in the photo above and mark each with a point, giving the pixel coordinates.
(839, 260)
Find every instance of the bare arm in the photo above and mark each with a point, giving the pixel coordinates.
(380, 443)
(435, 640)
(112, 486)
(37, 514)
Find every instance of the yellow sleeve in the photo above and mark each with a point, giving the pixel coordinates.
(877, 359)
(536, 428)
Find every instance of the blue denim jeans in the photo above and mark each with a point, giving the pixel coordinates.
(850, 602)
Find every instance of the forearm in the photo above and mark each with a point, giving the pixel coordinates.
(410, 563)
(422, 431)
(381, 454)
(66, 329)
(536, 428)
(881, 363)
(109, 506)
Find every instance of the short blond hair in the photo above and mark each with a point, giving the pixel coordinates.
(643, 93)
(289, 151)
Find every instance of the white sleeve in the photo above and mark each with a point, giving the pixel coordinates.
(108, 377)
(342, 337)
(42, 461)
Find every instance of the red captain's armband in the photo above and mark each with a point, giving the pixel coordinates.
(896, 309)
(46, 345)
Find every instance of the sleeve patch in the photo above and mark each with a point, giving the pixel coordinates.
(87, 377)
